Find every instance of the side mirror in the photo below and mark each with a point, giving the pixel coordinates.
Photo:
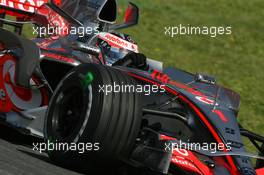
(131, 18)
(108, 12)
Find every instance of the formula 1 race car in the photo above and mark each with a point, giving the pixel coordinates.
(70, 87)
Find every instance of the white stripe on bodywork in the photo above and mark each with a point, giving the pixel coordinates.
(36, 99)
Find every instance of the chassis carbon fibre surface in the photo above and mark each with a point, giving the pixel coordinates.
(193, 108)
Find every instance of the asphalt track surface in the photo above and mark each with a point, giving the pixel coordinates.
(17, 156)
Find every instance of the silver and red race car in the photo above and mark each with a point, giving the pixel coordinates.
(79, 81)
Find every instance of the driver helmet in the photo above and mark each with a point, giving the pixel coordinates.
(116, 46)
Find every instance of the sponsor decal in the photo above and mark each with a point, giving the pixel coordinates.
(118, 42)
(183, 162)
(24, 5)
(182, 152)
(164, 78)
(57, 24)
(205, 100)
(60, 58)
(182, 158)
(188, 161)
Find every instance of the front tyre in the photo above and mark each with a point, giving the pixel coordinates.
(81, 113)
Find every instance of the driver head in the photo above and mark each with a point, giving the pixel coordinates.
(116, 46)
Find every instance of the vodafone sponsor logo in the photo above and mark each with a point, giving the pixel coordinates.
(24, 5)
(118, 42)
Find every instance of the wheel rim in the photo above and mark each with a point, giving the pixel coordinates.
(68, 112)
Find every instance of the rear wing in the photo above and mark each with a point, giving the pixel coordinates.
(20, 9)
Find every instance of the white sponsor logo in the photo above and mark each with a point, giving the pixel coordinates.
(119, 42)
(182, 161)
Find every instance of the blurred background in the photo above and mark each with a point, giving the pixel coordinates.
(236, 60)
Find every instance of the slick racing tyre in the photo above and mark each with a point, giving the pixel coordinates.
(80, 112)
